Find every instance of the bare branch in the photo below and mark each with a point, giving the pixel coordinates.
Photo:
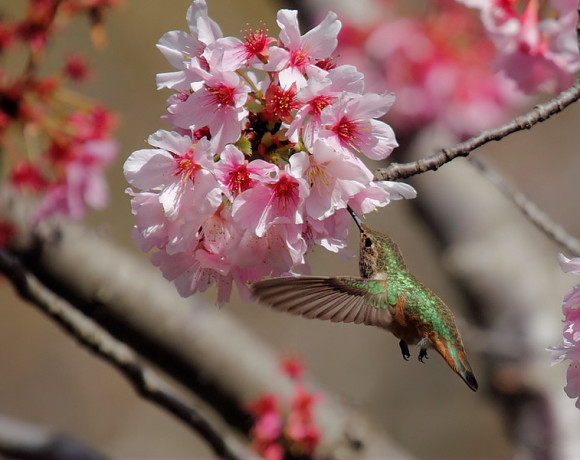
(145, 381)
(26, 441)
(535, 215)
(398, 171)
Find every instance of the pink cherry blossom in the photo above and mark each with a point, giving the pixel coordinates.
(303, 52)
(438, 63)
(278, 201)
(379, 194)
(180, 170)
(218, 104)
(322, 90)
(334, 178)
(151, 229)
(84, 183)
(180, 47)
(330, 233)
(569, 348)
(537, 48)
(253, 50)
(280, 249)
(350, 125)
(286, 427)
(237, 174)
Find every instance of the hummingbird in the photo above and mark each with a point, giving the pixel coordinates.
(386, 295)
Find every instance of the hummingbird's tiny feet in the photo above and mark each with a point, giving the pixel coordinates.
(423, 354)
(404, 350)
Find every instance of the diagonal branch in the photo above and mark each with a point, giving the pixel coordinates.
(534, 214)
(145, 381)
(398, 171)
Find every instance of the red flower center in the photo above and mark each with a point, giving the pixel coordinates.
(319, 102)
(299, 58)
(239, 180)
(281, 103)
(186, 166)
(222, 94)
(257, 44)
(346, 131)
(285, 191)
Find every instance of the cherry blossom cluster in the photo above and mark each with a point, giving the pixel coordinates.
(437, 60)
(536, 41)
(55, 144)
(569, 348)
(285, 430)
(263, 157)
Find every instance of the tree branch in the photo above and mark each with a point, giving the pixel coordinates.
(144, 380)
(399, 171)
(534, 214)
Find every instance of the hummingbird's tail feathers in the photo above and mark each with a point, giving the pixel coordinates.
(469, 378)
(454, 355)
(338, 299)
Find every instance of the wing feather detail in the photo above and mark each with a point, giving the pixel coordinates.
(338, 299)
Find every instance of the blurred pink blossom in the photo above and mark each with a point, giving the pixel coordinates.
(569, 348)
(437, 61)
(537, 48)
(286, 427)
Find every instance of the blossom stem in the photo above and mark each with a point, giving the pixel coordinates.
(248, 81)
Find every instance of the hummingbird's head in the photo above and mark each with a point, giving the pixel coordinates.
(372, 253)
(378, 253)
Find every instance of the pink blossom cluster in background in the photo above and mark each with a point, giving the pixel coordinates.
(569, 348)
(536, 40)
(437, 60)
(55, 144)
(458, 71)
(263, 157)
(285, 430)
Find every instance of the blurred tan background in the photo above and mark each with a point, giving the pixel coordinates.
(46, 378)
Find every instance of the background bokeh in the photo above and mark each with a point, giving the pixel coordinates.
(46, 378)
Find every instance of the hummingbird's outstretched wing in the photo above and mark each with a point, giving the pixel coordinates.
(338, 299)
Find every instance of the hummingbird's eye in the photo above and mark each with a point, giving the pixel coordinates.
(368, 243)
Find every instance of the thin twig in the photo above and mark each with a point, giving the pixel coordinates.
(398, 171)
(144, 380)
(534, 214)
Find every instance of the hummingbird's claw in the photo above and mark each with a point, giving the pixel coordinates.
(404, 350)
(423, 354)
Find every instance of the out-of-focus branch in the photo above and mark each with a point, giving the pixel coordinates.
(534, 214)
(145, 381)
(398, 171)
(199, 345)
(26, 441)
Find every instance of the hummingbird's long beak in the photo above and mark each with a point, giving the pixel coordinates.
(356, 218)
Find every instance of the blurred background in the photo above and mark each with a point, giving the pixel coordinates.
(47, 379)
